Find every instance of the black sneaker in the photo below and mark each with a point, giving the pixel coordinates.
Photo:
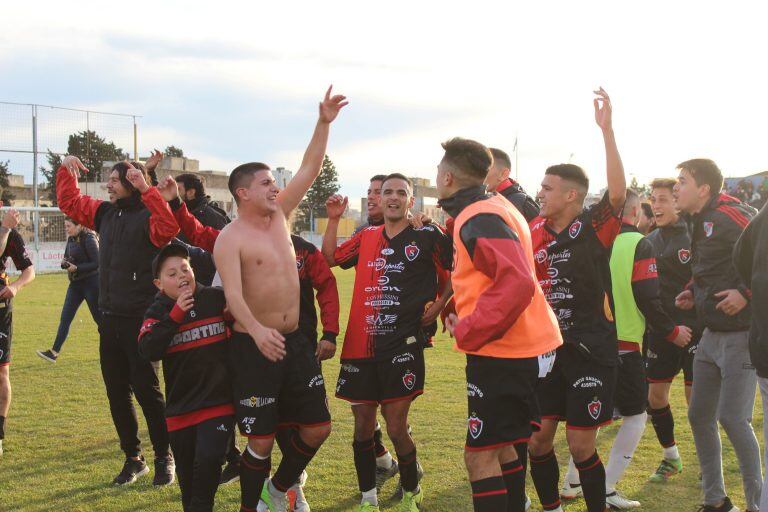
(165, 471)
(132, 469)
(727, 506)
(419, 475)
(230, 473)
(48, 355)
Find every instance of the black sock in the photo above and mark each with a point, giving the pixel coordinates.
(253, 472)
(296, 457)
(2, 427)
(522, 455)
(664, 424)
(592, 475)
(545, 474)
(409, 477)
(514, 478)
(233, 454)
(489, 494)
(378, 440)
(365, 464)
(283, 437)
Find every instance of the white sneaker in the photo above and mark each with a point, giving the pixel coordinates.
(618, 502)
(299, 501)
(1, 447)
(570, 491)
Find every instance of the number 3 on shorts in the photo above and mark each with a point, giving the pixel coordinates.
(546, 362)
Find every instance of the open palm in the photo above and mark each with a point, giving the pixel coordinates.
(331, 105)
(603, 110)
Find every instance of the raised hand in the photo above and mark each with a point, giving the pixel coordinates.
(186, 300)
(73, 165)
(331, 105)
(136, 178)
(603, 110)
(168, 188)
(11, 219)
(336, 205)
(154, 159)
(419, 219)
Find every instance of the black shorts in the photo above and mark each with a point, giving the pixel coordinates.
(400, 377)
(501, 401)
(664, 359)
(631, 395)
(579, 390)
(268, 394)
(6, 333)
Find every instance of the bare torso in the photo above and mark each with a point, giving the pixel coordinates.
(268, 268)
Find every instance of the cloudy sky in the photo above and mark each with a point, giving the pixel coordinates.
(231, 82)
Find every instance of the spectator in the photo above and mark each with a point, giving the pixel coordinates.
(81, 261)
(192, 192)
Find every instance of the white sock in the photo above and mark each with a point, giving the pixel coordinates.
(248, 447)
(572, 476)
(385, 461)
(671, 452)
(627, 439)
(371, 497)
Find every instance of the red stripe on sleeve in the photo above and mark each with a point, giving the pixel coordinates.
(644, 269)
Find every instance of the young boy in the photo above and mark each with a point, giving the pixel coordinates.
(185, 327)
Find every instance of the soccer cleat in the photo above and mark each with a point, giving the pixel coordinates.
(384, 474)
(296, 498)
(132, 469)
(230, 473)
(419, 476)
(570, 491)
(616, 501)
(727, 506)
(412, 502)
(165, 471)
(48, 355)
(367, 507)
(667, 468)
(272, 502)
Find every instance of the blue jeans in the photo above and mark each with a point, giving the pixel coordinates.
(78, 291)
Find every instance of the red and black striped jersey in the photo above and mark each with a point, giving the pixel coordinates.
(573, 270)
(394, 280)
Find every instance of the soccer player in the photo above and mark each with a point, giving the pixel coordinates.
(498, 180)
(749, 256)
(571, 248)
(132, 226)
(11, 245)
(724, 379)
(393, 315)
(671, 242)
(277, 378)
(373, 205)
(504, 325)
(185, 328)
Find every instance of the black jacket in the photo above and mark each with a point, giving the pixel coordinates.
(193, 348)
(82, 251)
(514, 193)
(751, 259)
(207, 213)
(715, 230)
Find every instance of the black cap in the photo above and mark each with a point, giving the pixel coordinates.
(165, 253)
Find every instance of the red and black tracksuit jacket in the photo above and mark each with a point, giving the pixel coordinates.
(514, 193)
(315, 274)
(715, 230)
(193, 348)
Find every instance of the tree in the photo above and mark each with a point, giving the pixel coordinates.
(313, 205)
(5, 184)
(54, 162)
(642, 190)
(173, 151)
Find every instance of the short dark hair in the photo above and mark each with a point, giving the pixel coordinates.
(242, 176)
(468, 157)
(398, 176)
(668, 183)
(631, 197)
(501, 157)
(192, 181)
(704, 172)
(570, 172)
(647, 210)
(378, 177)
(122, 174)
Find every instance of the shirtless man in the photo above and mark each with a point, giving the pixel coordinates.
(276, 377)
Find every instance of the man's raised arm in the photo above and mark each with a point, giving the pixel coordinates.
(75, 205)
(312, 162)
(617, 182)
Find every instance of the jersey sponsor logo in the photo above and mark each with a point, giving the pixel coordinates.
(412, 251)
(594, 407)
(475, 426)
(575, 229)
(409, 380)
(339, 384)
(474, 391)
(383, 289)
(387, 251)
(541, 256)
(403, 358)
(709, 228)
(198, 333)
(383, 280)
(684, 255)
(257, 401)
(383, 300)
(561, 294)
(316, 381)
(350, 368)
(381, 264)
(588, 382)
(380, 319)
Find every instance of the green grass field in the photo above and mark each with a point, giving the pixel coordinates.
(61, 450)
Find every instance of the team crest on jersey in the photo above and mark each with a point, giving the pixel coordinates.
(299, 263)
(684, 255)
(575, 229)
(411, 251)
(708, 228)
(594, 407)
(475, 426)
(409, 380)
(541, 256)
